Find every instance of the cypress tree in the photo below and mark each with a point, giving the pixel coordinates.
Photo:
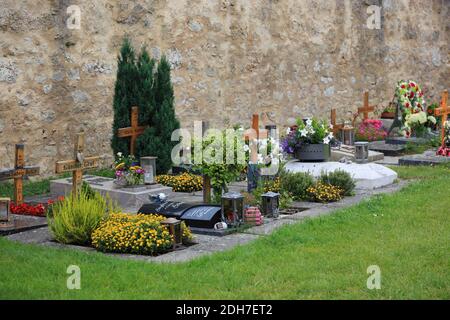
(125, 95)
(146, 95)
(156, 140)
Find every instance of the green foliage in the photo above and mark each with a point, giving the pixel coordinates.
(87, 190)
(156, 140)
(340, 179)
(296, 184)
(73, 219)
(126, 95)
(214, 164)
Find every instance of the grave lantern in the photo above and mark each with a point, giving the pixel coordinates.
(149, 166)
(361, 152)
(4, 209)
(347, 134)
(270, 202)
(174, 226)
(232, 208)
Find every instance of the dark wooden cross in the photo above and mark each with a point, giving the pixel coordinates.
(443, 111)
(77, 165)
(134, 131)
(19, 171)
(365, 109)
(336, 127)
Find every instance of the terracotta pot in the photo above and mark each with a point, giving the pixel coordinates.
(388, 115)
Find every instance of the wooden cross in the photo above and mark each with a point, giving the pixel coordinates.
(336, 127)
(365, 109)
(19, 171)
(249, 135)
(77, 165)
(443, 111)
(134, 131)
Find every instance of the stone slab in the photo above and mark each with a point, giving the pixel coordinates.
(386, 148)
(427, 158)
(20, 223)
(404, 140)
(367, 176)
(337, 155)
(125, 197)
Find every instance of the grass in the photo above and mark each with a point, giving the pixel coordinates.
(406, 234)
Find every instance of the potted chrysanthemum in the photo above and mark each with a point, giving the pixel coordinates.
(309, 140)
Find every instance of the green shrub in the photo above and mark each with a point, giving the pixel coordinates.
(296, 184)
(73, 220)
(340, 179)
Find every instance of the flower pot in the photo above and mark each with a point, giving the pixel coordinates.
(388, 115)
(313, 152)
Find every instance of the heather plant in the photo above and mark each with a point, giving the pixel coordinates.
(371, 130)
(340, 179)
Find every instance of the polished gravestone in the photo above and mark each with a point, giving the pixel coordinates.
(387, 149)
(201, 218)
(126, 197)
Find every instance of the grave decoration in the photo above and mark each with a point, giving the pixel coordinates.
(411, 116)
(309, 141)
(252, 216)
(19, 171)
(4, 209)
(361, 152)
(365, 109)
(270, 203)
(77, 165)
(371, 130)
(185, 182)
(232, 208)
(128, 171)
(335, 127)
(138, 234)
(148, 164)
(443, 111)
(203, 216)
(347, 134)
(134, 131)
(174, 227)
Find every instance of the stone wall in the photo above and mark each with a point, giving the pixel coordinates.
(230, 58)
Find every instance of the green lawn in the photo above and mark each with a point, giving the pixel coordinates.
(407, 234)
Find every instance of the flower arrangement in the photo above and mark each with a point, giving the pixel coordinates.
(311, 131)
(38, 210)
(137, 234)
(323, 192)
(128, 171)
(185, 182)
(410, 98)
(371, 130)
(445, 149)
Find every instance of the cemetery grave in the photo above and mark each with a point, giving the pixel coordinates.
(148, 213)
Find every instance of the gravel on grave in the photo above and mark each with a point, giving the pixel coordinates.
(210, 244)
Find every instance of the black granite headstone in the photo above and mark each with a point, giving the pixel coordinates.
(202, 216)
(170, 209)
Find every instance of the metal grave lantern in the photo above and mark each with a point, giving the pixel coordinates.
(347, 134)
(149, 166)
(361, 152)
(4, 209)
(174, 226)
(270, 202)
(232, 208)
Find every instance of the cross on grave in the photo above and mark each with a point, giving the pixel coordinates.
(336, 127)
(77, 165)
(134, 131)
(365, 109)
(444, 111)
(19, 171)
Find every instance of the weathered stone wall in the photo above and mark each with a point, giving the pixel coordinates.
(230, 58)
